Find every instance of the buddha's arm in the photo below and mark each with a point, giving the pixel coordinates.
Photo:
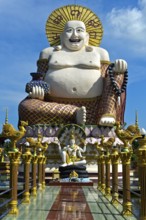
(44, 57)
(39, 89)
(110, 111)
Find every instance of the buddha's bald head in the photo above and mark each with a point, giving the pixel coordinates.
(74, 36)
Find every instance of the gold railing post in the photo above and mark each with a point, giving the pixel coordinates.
(115, 161)
(14, 163)
(142, 175)
(40, 162)
(27, 159)
(127, 205)
(34, 175)
(99, 172)
(43, 172)
(107, 189)
(102, 159)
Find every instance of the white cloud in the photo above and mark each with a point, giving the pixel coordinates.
(129, 25)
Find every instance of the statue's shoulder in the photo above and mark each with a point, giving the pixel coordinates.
(104, 55)
(46, 53)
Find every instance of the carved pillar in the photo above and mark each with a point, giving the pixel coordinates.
(43, 172)
(14, 163)
(127, 205)
(40, 162)
(99, 172)
(115, 161)
(27, 159)
(102, 159)
(34, 175)
(142, 175)
(107, 183)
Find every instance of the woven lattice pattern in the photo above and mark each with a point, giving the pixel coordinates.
(39, 112)
(42, 65)
(64, 111)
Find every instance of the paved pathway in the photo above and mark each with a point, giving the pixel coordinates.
(69, 203)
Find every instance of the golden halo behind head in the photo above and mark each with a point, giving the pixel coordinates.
(58, 18)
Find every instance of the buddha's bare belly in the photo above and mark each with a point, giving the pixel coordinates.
(74, 82)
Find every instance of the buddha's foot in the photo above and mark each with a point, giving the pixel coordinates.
(81, 115)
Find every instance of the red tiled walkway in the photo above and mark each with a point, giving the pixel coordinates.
(70, 204)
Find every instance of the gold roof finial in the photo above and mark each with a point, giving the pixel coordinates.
(136, 118)
(6, 118)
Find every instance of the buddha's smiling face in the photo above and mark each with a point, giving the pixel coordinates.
(74, 36)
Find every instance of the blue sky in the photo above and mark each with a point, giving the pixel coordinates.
(22, 37)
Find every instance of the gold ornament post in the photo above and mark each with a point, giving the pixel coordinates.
(40, 169)
(9, 132)
(43, 172)
(127, 205)
(115, 161)
(39, 147)
(44, 159)
(14, 163)
(99, 147)
(99, 172)
(107, 182)
(27, 156)
(127, 136)
(34, 175)
(142, 175)
(102, 161)
(107, 147)
(99, 168)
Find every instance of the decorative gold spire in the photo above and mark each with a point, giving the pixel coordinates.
(136, 119)
(6, 118)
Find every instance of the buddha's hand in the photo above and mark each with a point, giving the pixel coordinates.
(37, 93)
(120, 66)
(107, 121)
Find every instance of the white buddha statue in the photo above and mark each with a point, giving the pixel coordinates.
(79, 92)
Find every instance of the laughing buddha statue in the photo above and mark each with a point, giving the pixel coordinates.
(75, 81)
